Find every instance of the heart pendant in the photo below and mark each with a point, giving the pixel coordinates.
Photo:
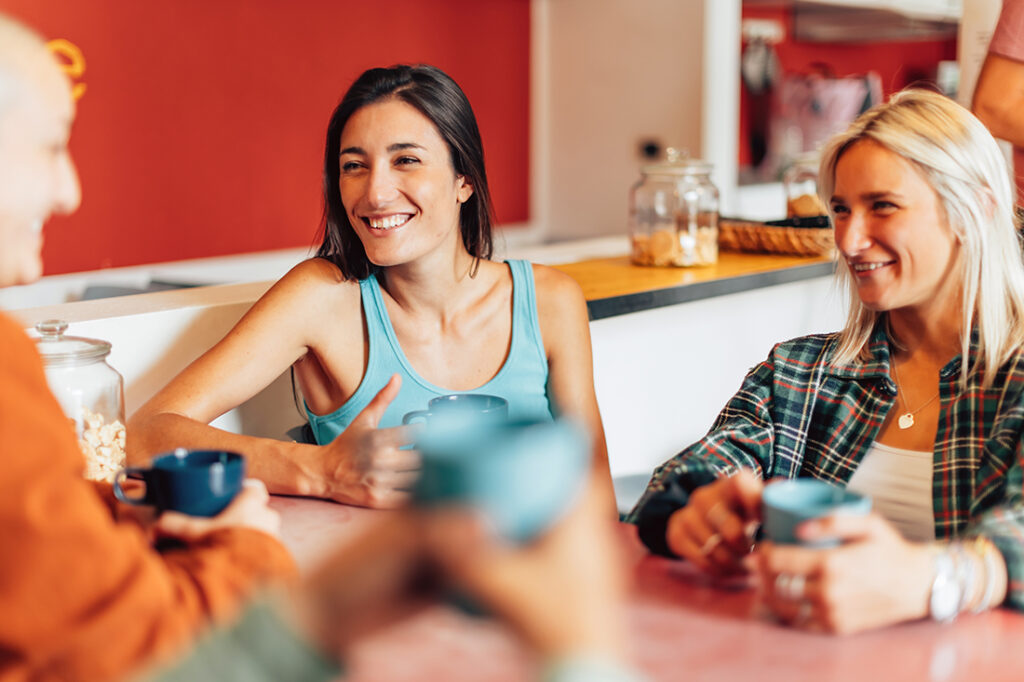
(906, 420)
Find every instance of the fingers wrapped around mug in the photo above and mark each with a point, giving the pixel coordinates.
(790, 584)
(715, 530)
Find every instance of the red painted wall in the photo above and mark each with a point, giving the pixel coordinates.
(201, 129)
(897, 63)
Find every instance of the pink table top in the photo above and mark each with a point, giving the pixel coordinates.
(684, 628)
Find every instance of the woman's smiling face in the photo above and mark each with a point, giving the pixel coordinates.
(397, 183)
(892, 232)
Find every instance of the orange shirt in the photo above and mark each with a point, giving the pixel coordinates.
(82, 596)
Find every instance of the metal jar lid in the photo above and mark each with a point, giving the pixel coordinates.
(58, 349)
(677, 163)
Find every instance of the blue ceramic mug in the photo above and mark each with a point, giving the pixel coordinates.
(787, 504)
(521, 475)
(193, 482)
(484, 407)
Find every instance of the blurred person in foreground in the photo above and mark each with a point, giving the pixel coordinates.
(918, 402)
(562, 594)
(85, 596)
(83, 593)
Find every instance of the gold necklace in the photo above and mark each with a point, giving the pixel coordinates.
(906, 419)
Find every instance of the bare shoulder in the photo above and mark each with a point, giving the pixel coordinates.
(557, 292)
(316, 283)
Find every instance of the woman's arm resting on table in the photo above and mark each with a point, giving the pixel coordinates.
(365, 466)
(565, 328)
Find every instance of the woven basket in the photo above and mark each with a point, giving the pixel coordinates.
(753, 237)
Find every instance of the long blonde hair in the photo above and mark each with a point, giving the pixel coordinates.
(963, 164)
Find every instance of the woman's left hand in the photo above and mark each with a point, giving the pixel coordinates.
(875, 578)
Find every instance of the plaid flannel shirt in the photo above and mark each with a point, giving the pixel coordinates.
(798, 414)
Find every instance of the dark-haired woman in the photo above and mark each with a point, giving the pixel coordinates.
(400, 305)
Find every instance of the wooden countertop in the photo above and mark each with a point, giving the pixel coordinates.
(613, 286)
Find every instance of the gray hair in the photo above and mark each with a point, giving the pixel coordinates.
(963, 164)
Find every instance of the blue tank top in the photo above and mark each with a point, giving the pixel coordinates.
(522, 380)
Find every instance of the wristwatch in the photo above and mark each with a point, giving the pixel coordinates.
(944, 603)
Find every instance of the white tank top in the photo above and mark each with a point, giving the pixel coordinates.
(899, 483)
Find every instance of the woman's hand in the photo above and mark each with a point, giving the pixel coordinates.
(249, 509)
(365, 465)
(563, 592)
(716, 529)
(875, 578)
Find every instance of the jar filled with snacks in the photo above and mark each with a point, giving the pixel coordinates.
(673, 214)
(91, 393)
(801, 183)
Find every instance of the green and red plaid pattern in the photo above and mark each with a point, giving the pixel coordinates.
(799, 415)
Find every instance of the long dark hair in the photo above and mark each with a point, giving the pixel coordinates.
(435, 95)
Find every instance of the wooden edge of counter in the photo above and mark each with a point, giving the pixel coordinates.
(613, 286)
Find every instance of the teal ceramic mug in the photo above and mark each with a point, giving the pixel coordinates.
(483, 407)
(521, 475)
(193, 482)
(787, 504)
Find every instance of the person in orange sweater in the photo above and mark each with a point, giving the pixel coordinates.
(83, 593)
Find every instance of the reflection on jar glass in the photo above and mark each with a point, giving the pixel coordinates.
(674, 214)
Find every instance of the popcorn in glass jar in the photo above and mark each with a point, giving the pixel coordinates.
(90, 392)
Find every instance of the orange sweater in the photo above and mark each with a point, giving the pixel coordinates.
(83, 597)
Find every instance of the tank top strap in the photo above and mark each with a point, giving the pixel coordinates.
(526, 337)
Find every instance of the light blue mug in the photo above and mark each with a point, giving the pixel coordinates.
(787, 504)
(485, 408)
(522, 475)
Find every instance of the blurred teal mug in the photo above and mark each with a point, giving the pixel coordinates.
(193, 482)
(483, 407)
(787, 504)
(521, 475)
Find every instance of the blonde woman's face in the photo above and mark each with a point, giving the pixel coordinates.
(893, 234)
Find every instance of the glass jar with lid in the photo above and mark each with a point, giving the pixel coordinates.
(673, 214)
(90, 392)
(801, 183)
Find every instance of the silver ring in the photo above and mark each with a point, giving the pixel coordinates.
(789, 586)
(714, 540)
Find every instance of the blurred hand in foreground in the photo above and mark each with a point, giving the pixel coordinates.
(563, 593)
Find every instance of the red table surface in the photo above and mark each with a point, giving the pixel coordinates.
(683, 628)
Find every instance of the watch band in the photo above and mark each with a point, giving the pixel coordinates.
(944, 602)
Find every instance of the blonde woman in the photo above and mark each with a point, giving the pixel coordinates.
(917, 402)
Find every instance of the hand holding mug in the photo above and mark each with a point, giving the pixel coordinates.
(715, 530)
(563, 592)
(367, 466)
(872, 578)
(249, 509)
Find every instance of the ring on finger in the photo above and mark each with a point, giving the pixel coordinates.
(789, 586)
(714, 540)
